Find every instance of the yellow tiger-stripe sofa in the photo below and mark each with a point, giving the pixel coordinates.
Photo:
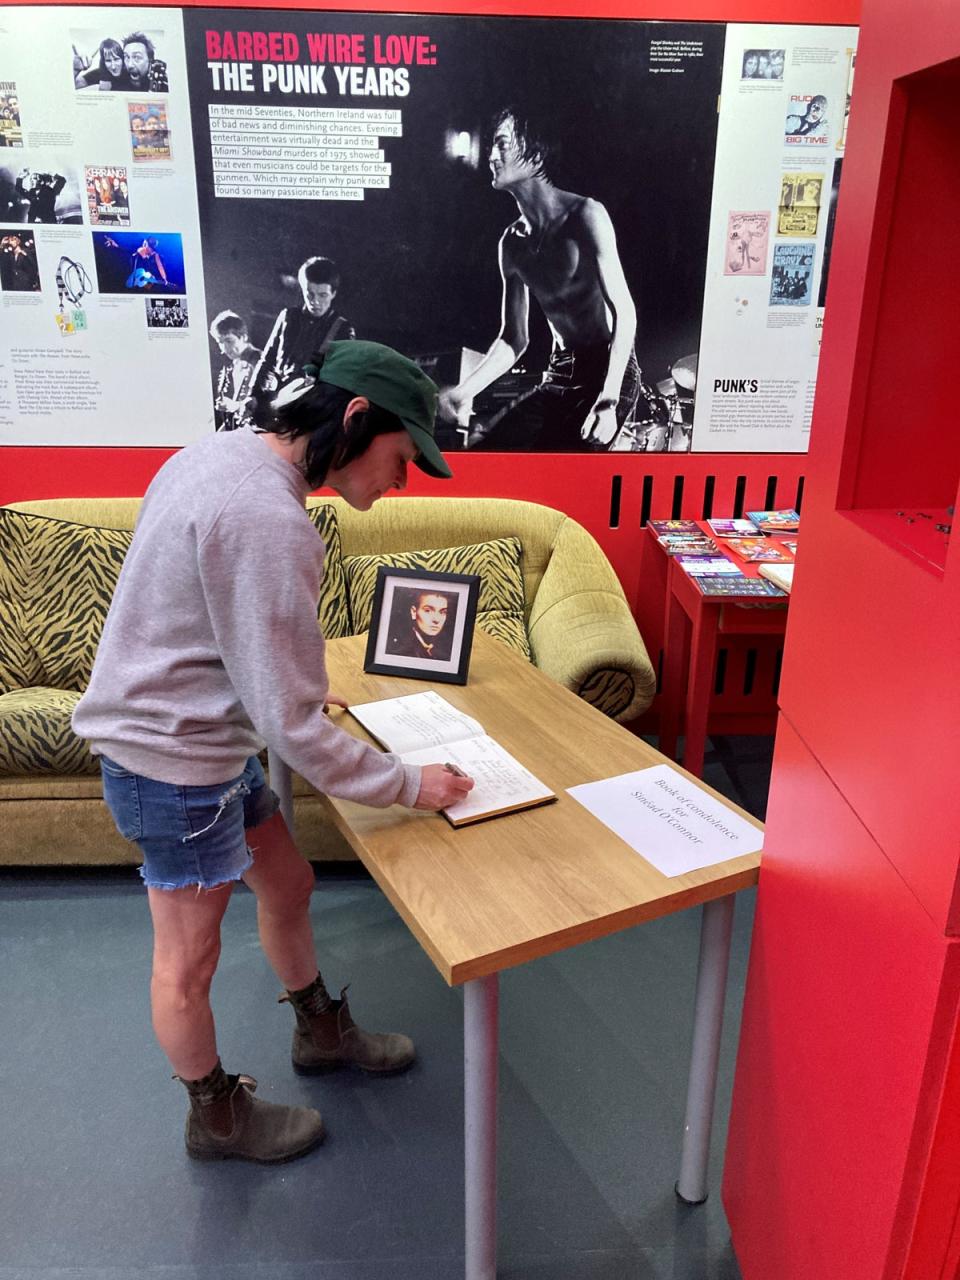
(569, 613)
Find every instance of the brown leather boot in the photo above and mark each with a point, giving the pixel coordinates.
(226, 1122)
(328, 1037)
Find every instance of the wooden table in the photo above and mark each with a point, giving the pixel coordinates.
(483, 898)
(693, 624)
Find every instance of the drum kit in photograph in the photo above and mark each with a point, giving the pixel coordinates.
(663, 419)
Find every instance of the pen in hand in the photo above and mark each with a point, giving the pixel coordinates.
(442, 785)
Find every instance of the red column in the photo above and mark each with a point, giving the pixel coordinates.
(842, 1152)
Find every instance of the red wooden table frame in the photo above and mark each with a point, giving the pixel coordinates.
(692, 624)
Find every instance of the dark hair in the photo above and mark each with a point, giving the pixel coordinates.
(138, 37)
(319, 414)
(407, 599)
(319, 271)
(535, 143)
(416, 594)
(228, 322)
(109, 44)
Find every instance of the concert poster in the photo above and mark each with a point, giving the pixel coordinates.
(799, 212)
(747, 238)
(790, 278)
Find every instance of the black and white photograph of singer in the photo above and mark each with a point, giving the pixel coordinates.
(520, 256)
(422, 625)
(562, 249)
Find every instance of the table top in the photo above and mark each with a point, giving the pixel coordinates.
(485, 897)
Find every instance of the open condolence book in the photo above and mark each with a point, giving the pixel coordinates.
(423, 728)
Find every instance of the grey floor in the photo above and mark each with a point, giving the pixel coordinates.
(94, 1181)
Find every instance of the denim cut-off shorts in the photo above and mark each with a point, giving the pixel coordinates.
(188, 835)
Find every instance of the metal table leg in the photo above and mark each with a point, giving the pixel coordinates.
(281, 781)
(480, 1050)
(715, 932)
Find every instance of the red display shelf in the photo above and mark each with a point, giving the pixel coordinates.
(920, 532)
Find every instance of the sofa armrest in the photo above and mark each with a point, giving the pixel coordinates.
(582, 632)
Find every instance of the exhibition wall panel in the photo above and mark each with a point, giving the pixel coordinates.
(202, 179)
(611, 493)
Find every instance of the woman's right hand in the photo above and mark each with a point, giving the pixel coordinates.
(440, 788)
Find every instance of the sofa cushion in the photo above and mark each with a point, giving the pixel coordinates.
(498, 562)
(63, 576)
(19, 662)
(35, 734)
(333, 609)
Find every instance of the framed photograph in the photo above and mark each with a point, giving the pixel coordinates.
(422, 624)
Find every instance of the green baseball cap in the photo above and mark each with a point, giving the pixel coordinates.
(390, 380)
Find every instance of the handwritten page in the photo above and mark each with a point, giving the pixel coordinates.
(501, 782)
(668, 819)
(415, 720)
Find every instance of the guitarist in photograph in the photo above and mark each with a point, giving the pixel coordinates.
(146, 266)
(301, 332)
(235, 380)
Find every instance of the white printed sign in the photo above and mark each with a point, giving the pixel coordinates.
(674, 823)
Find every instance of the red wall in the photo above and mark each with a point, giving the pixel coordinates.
(847, 984)
(842, 1157)
(828, 12)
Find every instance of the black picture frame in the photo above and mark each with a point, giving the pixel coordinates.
(401, 643)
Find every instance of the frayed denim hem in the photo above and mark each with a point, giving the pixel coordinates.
(190, 880)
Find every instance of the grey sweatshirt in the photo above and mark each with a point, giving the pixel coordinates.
(211, 648)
